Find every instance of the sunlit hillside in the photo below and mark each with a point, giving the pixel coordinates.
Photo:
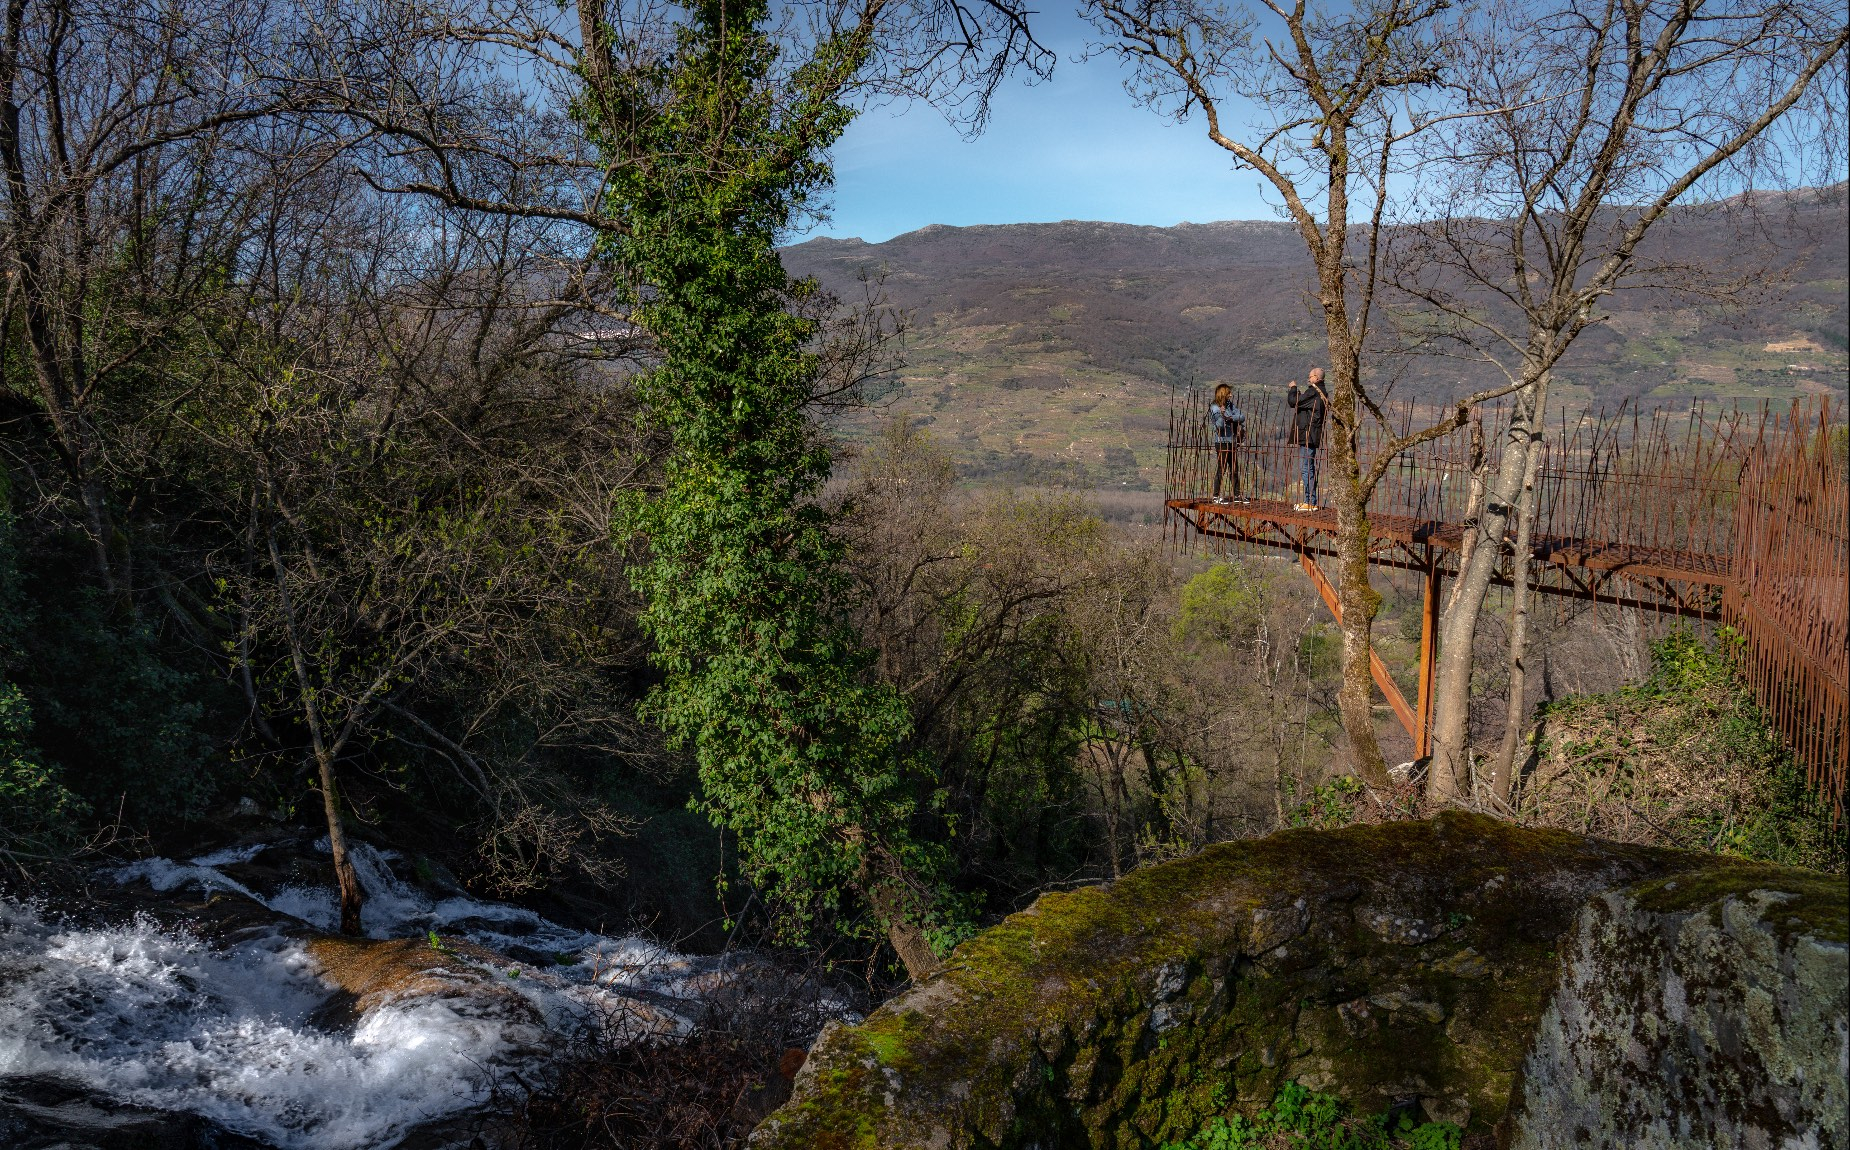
(1044, 353)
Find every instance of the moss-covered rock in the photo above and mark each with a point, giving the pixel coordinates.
(1704, 1010)
(1381, 964)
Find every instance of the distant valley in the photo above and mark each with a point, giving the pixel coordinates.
(1044, 353)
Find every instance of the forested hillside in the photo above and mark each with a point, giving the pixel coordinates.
(1045, 352)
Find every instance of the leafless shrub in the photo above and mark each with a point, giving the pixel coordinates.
(1089, 708)
(1632, 767)
(614, 1085)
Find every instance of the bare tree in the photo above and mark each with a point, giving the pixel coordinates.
(1062, 678)
(1503, 770)
(440, 85)
(1589, 121)
(404, 441)
(600, 70)
(966, 603)
(125, 144)
(363, 452)
(1340, 93)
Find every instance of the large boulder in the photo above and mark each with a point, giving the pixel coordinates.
(1410, 963)
(1708, 1009)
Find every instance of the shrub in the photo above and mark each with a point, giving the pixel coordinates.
(112, 704)
(1684, 759)
(39, 816)
(1299, 1119)
(119, 711)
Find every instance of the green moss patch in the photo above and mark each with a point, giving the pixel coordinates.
(1382, 966)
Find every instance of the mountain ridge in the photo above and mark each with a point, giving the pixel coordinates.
(1045, 352)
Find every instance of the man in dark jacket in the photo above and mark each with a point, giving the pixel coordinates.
(1308, 407)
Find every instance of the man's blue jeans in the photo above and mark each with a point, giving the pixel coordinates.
(1307, 471)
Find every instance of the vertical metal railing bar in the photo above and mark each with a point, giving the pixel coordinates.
(1792, 560)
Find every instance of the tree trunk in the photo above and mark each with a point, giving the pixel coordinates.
(905, 932)
(1360, 601)
(915, 952)
(1474, 506)
(1450, 768)
(1503, 771)
(352, 895)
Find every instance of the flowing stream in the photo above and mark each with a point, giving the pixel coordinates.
(153, 1016)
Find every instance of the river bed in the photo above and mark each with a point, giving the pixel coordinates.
(239, 1031)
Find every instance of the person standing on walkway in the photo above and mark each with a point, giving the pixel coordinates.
(1227, 427)
(1308, 408)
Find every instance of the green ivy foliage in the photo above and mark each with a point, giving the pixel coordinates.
(1299, 1119)
(801, 753)
(1328, 805)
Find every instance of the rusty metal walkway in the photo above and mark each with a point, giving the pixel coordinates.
(1655, 578)
(1736, 517)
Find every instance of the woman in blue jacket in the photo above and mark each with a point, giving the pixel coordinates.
(1227, 426)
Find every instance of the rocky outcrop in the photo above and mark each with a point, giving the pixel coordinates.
(1705, 1010)
(1411, 962)
(50, 1114)
(371, 973)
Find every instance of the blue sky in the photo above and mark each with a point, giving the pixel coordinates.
(1073, 148)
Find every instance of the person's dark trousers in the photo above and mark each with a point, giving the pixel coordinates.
(1225, 463)
(1307, 471)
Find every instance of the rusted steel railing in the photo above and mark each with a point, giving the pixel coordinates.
(1789, 595)
(1726, 514)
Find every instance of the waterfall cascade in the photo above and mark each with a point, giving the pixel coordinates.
(154, 1016)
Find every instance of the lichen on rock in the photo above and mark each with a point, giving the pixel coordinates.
(1703, 1010)
(1384, 964)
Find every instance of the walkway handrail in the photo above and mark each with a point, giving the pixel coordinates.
(1676, 503)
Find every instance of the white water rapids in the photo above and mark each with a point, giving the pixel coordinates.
(155, 1017)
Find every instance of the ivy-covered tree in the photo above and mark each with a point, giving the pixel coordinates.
(803, 753)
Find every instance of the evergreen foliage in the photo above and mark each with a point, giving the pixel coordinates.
(801, 753)
(42, 816)
(129, 717)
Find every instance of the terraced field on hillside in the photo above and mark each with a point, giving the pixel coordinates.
(1044, 354)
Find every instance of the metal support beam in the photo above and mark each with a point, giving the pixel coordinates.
(1375, 666)
(1429, 653)
(1642, 587)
